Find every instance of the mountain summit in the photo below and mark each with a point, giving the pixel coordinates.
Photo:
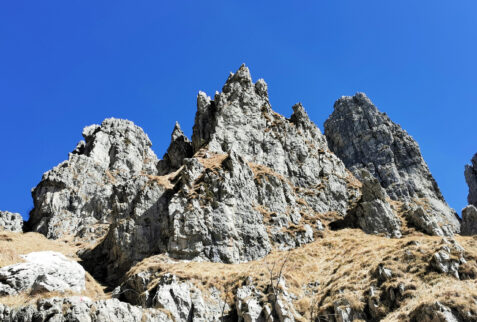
(256, 217)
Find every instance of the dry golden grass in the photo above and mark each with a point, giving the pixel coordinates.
(340, 265)
(166, 180)
(260, 171)
(213, 161)
(12, 245)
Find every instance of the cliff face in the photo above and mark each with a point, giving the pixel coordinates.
(365, 138)
(252, 181)
(99, 179)
(252, 219)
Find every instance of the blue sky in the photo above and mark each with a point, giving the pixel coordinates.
(68, 64)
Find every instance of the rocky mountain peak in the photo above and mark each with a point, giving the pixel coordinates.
(179, 149)
(81, 192)
(259, 192)
(365, 138)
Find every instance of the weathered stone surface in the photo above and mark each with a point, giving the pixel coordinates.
(343, 312)
(365, 138)
(11, 221)
(373, 214)
(241, 119)
(435, 312)
(251, 307)
(255, 180)
(100, 175)
(181, 299)
(469, 221)
(448, 259)
(42, 272)
(471, 178)
(179, 149)
(81, 309)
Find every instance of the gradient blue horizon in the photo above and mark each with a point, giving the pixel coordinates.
(68, 64)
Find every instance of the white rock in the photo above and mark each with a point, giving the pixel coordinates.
(42, 272)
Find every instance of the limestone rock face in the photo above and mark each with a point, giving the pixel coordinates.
(469, 221)
(42, 272)
(101, 175)
(241, 119)
(373, 213)
(471, 178)
(179, 149)
(365, 138)
(81, 309)
(11, 221)
(250, 180)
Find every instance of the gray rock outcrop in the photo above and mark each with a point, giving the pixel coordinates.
(448, 258)
(11, 221)
(179, 149)
(181, 299)
(254, 180)
(42, 272)
(471, 179)
(469, 221)
(437, 312)
(365, 138)
(81, 309)
(373, 214)
(104, 173)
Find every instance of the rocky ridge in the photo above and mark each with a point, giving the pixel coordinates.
(252, 219)
(255, 180)
(364, 138)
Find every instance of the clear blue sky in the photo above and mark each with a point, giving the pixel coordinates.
(67, 64)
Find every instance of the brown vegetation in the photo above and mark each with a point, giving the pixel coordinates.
(12, 245)
(341, 265)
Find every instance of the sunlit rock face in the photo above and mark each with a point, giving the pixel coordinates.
(249, 180)
(97, 182)
(365, 138)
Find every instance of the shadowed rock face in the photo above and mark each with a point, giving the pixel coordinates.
(469, 221)
(373, 214)
(471, 178)
(365, 138)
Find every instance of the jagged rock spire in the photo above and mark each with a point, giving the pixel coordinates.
(471, 179)
(365, 138)
(179, 149)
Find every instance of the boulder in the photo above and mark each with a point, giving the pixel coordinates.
(434, 312)
(364, 138)
(45, 271)
(373, 213)
(10, 221)
(448, 258)
(79, 308)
